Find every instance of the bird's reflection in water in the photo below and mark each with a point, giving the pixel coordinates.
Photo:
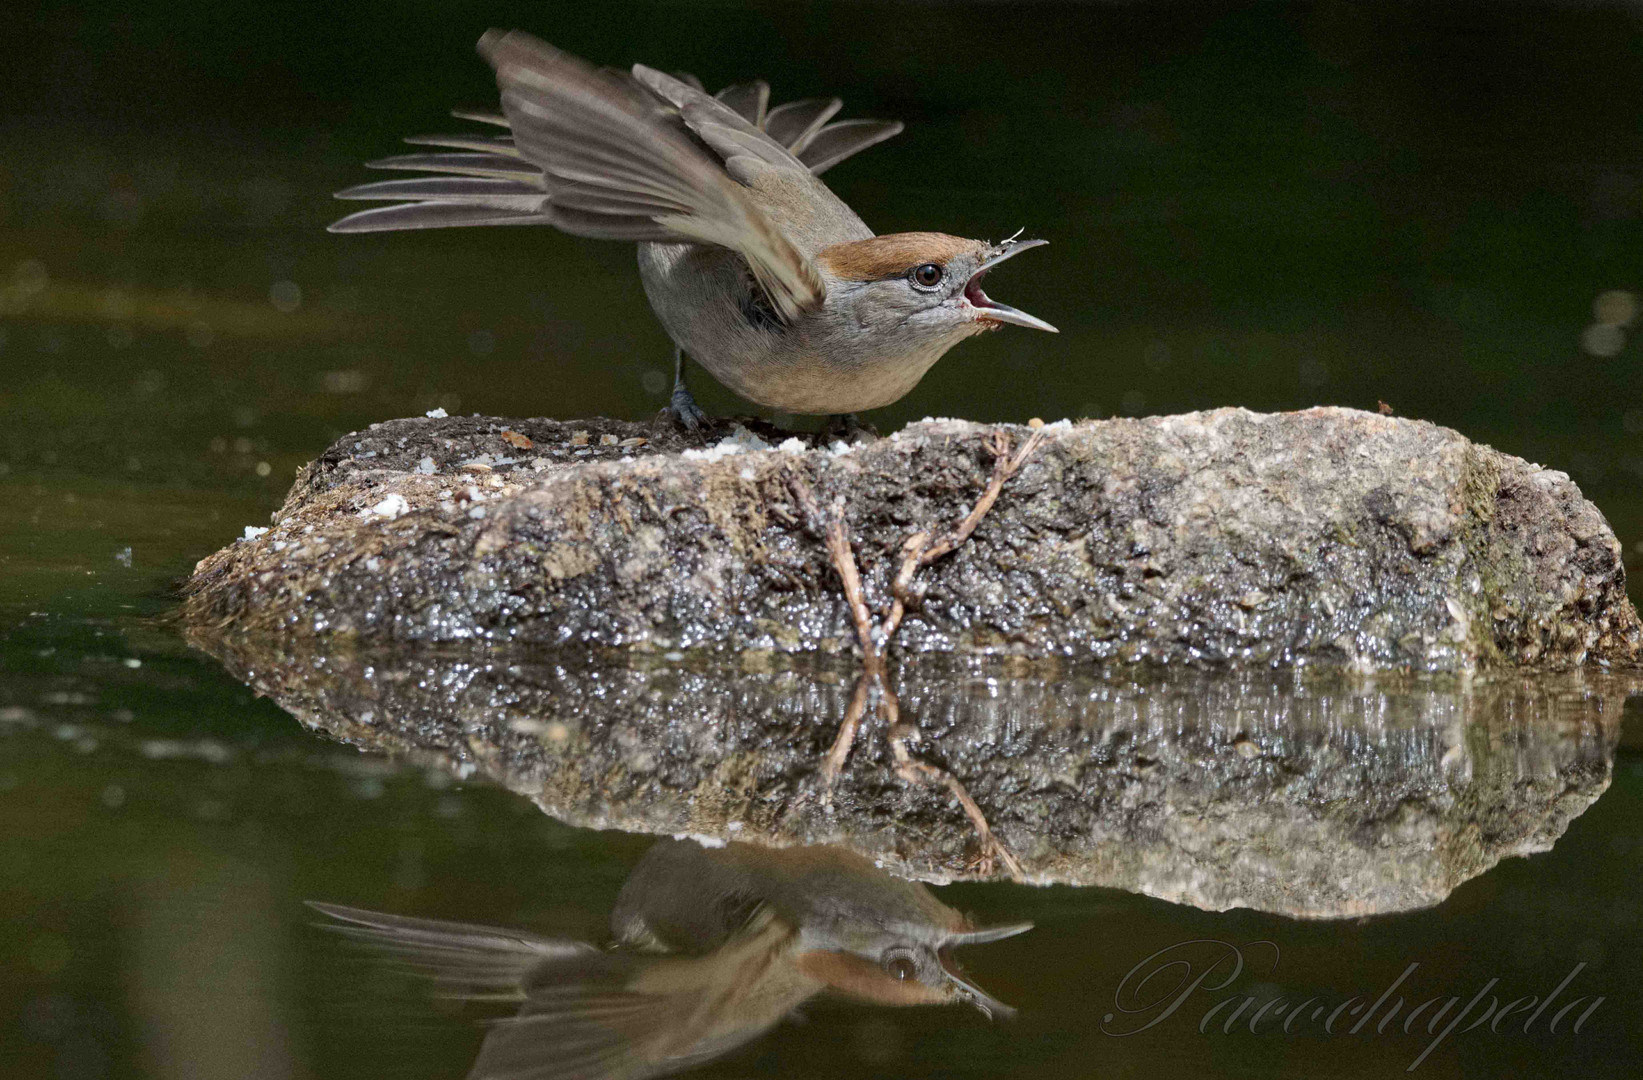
(711, 947)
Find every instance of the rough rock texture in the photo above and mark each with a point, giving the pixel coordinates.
(1327, 535)
(1315, 794)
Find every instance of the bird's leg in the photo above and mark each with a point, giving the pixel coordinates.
(681, 405)
(846, 427)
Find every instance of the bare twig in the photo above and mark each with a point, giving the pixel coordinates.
(915, 771)
(919, 551)
(846, 737)
(844, 561)
(837, 537)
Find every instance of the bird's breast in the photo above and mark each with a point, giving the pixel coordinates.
(707, 302)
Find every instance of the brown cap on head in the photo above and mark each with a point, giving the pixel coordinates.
(880, 257)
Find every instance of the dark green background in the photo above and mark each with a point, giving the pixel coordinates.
(1272, 206)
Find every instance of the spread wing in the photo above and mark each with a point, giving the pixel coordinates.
(801, 128)
(649, 157)
(460, 959)
(607, 163)
(620, 1016)
(594, 1014)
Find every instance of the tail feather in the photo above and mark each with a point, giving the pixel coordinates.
(484, 144)
(461, 165)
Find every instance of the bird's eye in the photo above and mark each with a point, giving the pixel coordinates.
(900, 967)
(927, 276)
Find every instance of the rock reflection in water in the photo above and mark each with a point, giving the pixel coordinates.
(1310, 794)
(711, 948)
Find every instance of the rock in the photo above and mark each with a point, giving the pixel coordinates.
(1329, 535)
(1316, 793)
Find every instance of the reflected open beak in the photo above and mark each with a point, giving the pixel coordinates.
(989, 310)
(965, 990)
(989, 933)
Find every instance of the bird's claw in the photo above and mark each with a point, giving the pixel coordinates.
(685, 412)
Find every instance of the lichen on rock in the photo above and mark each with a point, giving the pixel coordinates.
(1329, 535)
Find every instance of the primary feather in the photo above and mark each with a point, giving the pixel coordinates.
(465, 959)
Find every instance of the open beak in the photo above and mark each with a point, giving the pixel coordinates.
(989, 933)
(965, 990)
(989, 310)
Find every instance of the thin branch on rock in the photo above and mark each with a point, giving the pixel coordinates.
(835, 533)
(844, 560)
(918, 551)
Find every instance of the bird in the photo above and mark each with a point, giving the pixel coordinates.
(712, 946)
(757, 271)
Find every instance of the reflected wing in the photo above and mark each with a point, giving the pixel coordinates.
(622, 1014)
(463, 959)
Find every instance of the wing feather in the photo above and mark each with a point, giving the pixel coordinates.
(482, 190)
(593, 128)
(793, 124)
(481, 116)
(725, 129)
(749, 100)
(485, 144)
(631, 157)
(835, 142)
(430, 215)
(473, 960)
(462, 165)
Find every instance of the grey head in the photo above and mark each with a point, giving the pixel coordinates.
(862, 932)
(922, 285)
(904, 963)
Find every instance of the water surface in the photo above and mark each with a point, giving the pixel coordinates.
(1272, 206)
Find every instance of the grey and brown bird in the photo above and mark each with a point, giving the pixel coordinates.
(757, 271)
(711, 947)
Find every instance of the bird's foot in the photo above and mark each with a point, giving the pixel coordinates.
(685, 412)
(846, 427)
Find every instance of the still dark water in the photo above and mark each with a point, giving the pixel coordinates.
(1273, 206)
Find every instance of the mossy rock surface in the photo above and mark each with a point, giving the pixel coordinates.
(1329, 535)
